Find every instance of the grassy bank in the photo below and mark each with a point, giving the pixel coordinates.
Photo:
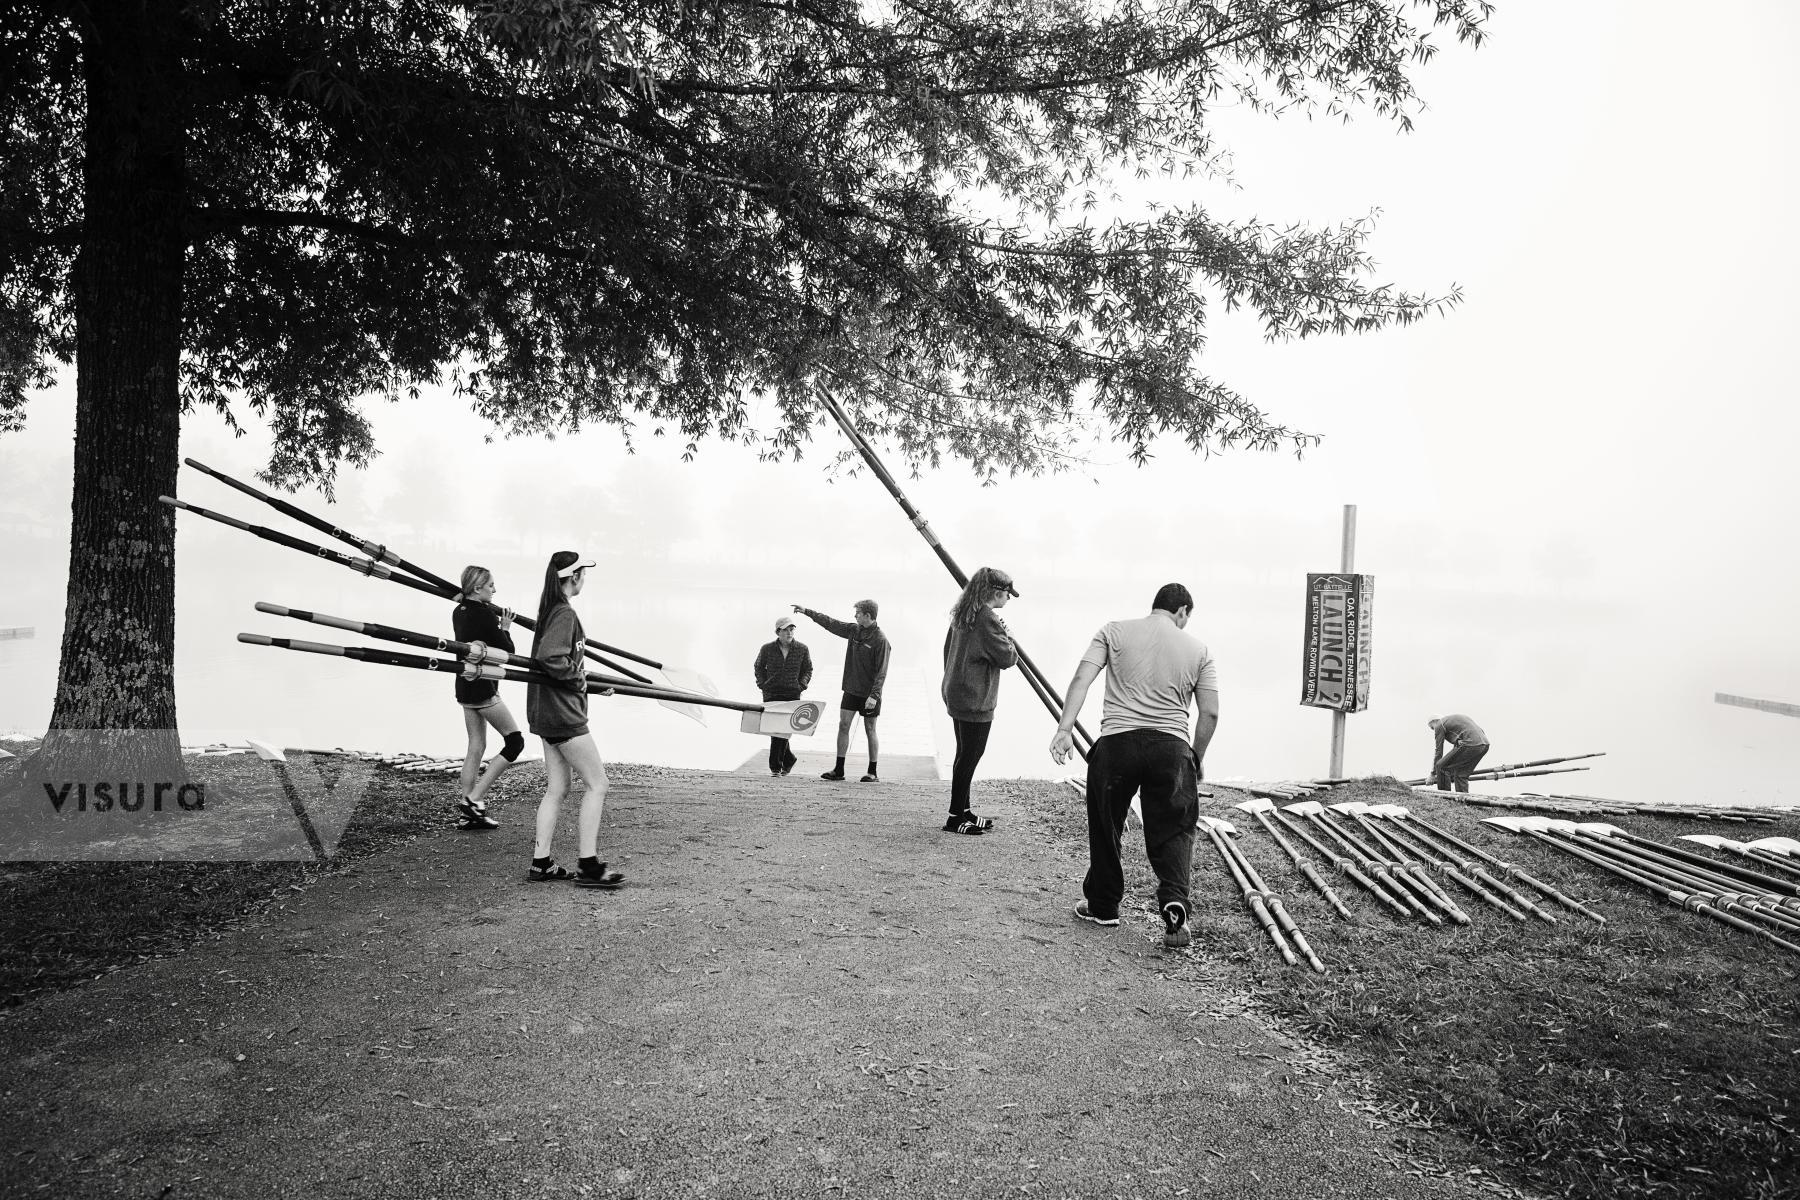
(1655, 1056)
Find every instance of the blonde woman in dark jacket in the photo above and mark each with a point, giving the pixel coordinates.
(976, 649)
(557, 713)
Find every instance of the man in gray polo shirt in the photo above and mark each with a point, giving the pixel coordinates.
(1154, 670)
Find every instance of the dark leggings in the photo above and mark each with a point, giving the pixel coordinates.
(971, 744)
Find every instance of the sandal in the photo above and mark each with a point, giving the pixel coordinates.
(474, 816)
(481, 822)
(601, 878)
(967, 823)
(549, 874)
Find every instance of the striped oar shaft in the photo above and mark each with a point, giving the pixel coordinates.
(1307, 869)
(1342, 864)
(1513, 871)
(382, 554)
(477, 652)
(1047, 693)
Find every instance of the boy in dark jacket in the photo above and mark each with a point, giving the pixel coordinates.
(783, 672)
(865, 671)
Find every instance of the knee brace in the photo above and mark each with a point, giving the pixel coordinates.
(515, 742)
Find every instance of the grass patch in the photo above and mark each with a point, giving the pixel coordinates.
(1655, 1056)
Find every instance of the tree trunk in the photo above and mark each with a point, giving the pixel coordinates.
(115, 692)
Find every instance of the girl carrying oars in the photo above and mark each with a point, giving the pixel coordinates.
(558, 715)
(476, 620)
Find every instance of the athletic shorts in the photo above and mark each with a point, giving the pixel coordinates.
(478, 705)
(856, 703)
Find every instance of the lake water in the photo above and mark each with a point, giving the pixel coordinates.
(1546, 675)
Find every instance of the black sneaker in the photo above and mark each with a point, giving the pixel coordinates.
(1085, 913)
(1175, 927)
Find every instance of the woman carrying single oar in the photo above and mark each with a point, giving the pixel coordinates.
(477, 620)
(558, 715)
(976, 649)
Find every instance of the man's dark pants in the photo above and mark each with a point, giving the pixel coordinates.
(1453, 769)
(1159, 768)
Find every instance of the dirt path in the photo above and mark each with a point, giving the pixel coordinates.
(806, 989)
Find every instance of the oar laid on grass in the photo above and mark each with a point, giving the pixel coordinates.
(1402, 818)
(1371, 865)
(1693, 881)
(1614, 841)
(1267, 907)
(1260, 809)
(1040, 683)
(1511, 870)
(375, 570)
(1768, 852)
(1342, 863)
(1534, 827)
(1397, 854)
(1376, 817)
(451, 666)
(378, 552)
(1742, 876)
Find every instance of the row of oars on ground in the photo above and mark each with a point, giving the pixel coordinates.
(1600, 806)
(1387, 851)
(1758, 892)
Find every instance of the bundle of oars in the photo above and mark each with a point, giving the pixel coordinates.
(1521, 770)
(1392, 855)
(1763, 900)
(686, 695)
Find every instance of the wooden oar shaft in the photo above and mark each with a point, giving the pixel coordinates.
(1041, 683)
(382, 554)
(1253, 899)
(1377, 869)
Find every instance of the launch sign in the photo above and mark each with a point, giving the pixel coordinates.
(1339, 619)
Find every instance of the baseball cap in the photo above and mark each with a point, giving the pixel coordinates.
(1005, 582)
(580, 564)
(784, 622)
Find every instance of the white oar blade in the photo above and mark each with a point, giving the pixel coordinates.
(1255, 805)
(1305, 808)
(692, 712)
(685, 680)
